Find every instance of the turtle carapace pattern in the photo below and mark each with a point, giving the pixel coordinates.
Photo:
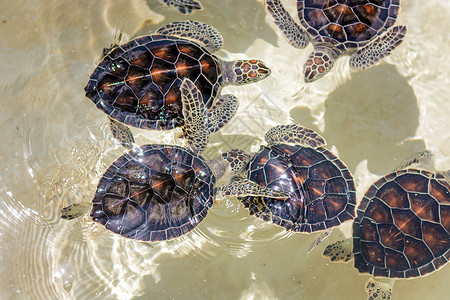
(402, 228)
(139, 82)
(320, 186)
(154, 193)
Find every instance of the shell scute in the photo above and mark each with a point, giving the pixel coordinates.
(407, 222)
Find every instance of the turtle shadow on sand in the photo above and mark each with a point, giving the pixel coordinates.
(373, 117)
(245, 21)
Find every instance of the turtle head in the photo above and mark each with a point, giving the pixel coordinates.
(317, 65)
(243, 71)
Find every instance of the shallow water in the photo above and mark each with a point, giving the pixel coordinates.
(56, 145)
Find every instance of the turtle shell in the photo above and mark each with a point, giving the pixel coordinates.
(403, 225)
(321, 188)
(347, 24)
(155, 193)
(138, 83)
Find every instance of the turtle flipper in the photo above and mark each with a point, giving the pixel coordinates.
(121, 133)
(294, 134)
(75, 210)
(379, 48)
(446, 175)
(221, 112)
(379, 288)
(247, 188)
(232, 163)
(341, 250)
(423, 159)
(194, 112)
(202, 33)
(183, 6)
(295, 35)
(319, 238)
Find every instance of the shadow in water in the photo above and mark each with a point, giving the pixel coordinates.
(245, 21)
(372, 117)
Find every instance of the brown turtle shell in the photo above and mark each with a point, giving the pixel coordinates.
(403, 225)
(156, 193)
(138, 83)
(347, 24)
(321, 188)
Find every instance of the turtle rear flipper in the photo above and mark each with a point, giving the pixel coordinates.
(295, 35)
(121, 133)
(75, 210)
(184, 6)
(294, 134)
(339, 251)
(202, 33)
(379, 288)
(319, 238)
(378, 49)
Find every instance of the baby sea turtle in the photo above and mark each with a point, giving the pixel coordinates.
(320, 186)
(183, 6)
(402, 228)
(359, 28)
(138, 83)
(160, 192)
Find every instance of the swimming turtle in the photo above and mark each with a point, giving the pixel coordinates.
(402, 228)
(183, 6)
(359, 28)
(160, 192)
(138, 83)
(320, 187)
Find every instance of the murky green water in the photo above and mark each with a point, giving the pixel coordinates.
(56, 145)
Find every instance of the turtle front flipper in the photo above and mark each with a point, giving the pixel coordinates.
(202, 33)
(75, 210)
(221, 112)
(378, 49)
(423, 159)
(248, 188)
(194, 112)
(121, 133)
(379, 288)
(295, 35)
(183, 6)
(340, 251)
(294, 134)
